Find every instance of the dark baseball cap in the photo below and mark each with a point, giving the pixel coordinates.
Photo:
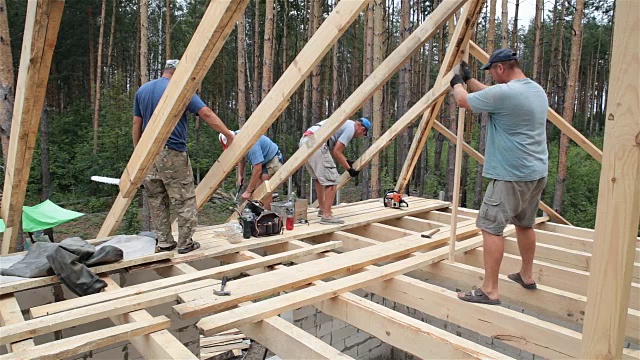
(500, 55)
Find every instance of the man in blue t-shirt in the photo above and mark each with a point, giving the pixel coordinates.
(265, 159)
(516, 160)
(170, 180)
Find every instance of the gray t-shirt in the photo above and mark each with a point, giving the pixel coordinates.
(344, 134)
(516, 134)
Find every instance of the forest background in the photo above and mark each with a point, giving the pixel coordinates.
(107, 48)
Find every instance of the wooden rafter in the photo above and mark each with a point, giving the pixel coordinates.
(455, 52)
(207, 41)
(40, 35)
(278, 97)
(378, 77)
(618, 211)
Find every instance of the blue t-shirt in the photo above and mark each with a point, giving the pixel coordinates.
(262, 151)
(146, 100)
(516, 147)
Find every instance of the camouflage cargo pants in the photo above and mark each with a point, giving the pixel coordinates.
(169, 186)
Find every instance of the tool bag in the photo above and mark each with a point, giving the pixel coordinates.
(266, 222)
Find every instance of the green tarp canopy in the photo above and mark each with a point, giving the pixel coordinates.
(43, 216)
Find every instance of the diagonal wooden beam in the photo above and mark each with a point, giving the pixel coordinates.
(278, 98)
(455, 52)
(40, 35)
(379, 76)
(553, 116)
(10, 313)
(618, 211)
(207, 41)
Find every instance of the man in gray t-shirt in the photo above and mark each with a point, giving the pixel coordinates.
(322, 164)
(516, 160)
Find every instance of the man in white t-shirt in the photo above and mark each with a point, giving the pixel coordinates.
(322, 164)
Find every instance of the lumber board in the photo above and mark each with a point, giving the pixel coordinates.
(63, 320)
(278, 97)
(406, 120)
(10, 313)
(201, 302)
(207, 41)
(555, 276)
(413, 223)
(90, 341)
(456, 51)
(553, 116)
(21, 285)
(618, 212)
(555, 303)
(381, 232)
(158, 345)
(214, 273)
(42, 22)
(276, 305)
(373, 82)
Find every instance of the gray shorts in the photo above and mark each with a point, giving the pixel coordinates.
(506, 202)
(321, 165)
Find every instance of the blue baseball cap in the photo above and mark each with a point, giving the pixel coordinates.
(500, 55)
(366, 123)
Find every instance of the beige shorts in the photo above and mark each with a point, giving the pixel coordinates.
(272, 166)
(506, 202)
(321, 165)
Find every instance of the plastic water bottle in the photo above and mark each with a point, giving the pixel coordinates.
(290, 211)
(247, 218)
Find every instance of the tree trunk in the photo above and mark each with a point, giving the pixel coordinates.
(569, 103)
(144, 36)
(167, 31)
(514, 35)
(316, 91)
(267, 62)
(537, 44)
(504, 32)
(255, 99)
(45, 170)
(378, 118)
(92, 60)
(112, 30)
(367, 110)
(96, 109)
(404, 85)
(7, 94)
(242, 72)
(484, 117)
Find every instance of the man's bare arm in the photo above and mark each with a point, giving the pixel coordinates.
(136, 130)
(214, 121)
(338, 155)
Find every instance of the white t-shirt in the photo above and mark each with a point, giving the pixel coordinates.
(344, 134)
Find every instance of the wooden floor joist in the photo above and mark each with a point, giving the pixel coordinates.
(10, 313)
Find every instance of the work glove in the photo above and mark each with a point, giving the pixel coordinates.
(465, 72)
(353, 172)
(350, 162)
(455, 80)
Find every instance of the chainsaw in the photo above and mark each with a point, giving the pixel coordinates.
(394, 200)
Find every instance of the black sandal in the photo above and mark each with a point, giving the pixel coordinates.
(518, 278)
(478, 296)
(194, 246)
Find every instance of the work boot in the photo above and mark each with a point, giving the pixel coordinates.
(331, 221)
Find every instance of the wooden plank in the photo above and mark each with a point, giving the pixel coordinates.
(618, 214)
(289, 341)
(278, 98)
(378, 77)
(381, 232)
(399, 126)
(207, 41)
(547, 301)
(20, 285)
(42, 23)
(63, 320)
(158, 345)
(556, 119)
(458, 43)
(90, 341)
(276, 305)
(413, 223)
(215, 273)
(198, 303)
(555, 276)
(10, 313)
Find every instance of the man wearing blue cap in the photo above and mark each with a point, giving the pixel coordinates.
(515, 163)
(322, 164)
(169, 183)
